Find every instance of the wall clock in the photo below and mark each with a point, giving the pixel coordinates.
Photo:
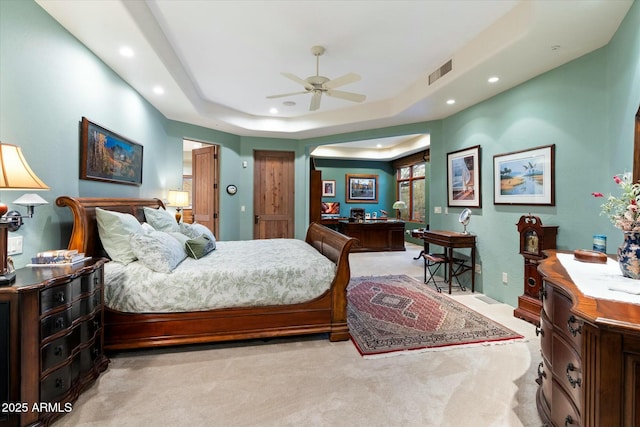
(232, 189)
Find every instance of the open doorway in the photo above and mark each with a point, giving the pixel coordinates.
(200, 178)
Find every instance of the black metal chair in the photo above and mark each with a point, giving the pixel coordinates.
(432, 264)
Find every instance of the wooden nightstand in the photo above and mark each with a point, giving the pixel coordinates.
(51, 340)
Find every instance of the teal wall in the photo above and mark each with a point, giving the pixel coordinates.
(587, 109)
(333, 169)
(48, 81)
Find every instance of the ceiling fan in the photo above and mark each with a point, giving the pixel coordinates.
(317, 85)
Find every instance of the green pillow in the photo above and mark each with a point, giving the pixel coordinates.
(199, 247)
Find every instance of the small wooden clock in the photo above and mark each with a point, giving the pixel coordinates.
(534, 239)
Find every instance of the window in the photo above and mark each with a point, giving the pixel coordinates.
(411, 190)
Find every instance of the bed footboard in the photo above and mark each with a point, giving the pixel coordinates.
(336, 247)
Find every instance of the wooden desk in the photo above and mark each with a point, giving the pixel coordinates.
(374, 235)
(451, 240)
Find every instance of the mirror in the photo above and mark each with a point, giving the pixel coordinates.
(464, 218)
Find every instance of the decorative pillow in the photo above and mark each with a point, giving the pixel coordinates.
(157, 251)
(161, 220)
(195, 230)
(179, 237)
(199, 247)
(115, 230)
(147, 228)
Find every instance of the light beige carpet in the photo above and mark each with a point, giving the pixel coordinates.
(313, 382)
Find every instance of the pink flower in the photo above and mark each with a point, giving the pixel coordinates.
(617, 179)
(597, 194)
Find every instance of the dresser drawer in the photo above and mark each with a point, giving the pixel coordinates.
(563, 411)
(90, 282)
(546, 335)
(59, 350)
(57, 296)
(58, 322)
(565, 322)
(547, 299)
(567, 368)
(56, 384)
(545, 378)
(54, 323)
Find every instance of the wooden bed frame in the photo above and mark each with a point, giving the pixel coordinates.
(325, 314)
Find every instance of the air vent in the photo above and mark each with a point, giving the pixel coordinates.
(448, 66)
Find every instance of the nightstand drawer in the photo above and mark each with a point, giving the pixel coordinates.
(60, 349)
(57, 296)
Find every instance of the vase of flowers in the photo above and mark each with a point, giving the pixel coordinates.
(624, 213)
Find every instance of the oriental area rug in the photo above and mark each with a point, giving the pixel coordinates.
(389, 315)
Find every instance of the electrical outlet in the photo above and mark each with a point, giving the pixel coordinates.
(14, 245)
(505, 278)
(437, 209)
(478, 269)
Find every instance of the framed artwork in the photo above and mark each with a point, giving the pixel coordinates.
(525, 177)
(362, 188)
(463, 177)
(329, 188)
(108, 157)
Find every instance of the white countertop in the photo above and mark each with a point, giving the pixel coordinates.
(603, 281)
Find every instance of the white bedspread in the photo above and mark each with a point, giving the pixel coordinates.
(236, 274)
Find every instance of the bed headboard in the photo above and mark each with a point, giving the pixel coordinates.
(84, 236)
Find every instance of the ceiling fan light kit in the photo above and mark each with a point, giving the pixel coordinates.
(317, 85)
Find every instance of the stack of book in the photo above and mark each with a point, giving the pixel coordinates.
(58, 256)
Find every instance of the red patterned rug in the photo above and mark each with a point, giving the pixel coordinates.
(389, 314)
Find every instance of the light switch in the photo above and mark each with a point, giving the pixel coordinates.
(14, 245)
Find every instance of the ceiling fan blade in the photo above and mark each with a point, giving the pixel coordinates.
(341, 81)
(349, 96)
(297, 79)
(315, 101)
(286, 94)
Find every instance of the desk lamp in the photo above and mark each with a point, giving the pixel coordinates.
(179, 199)
(15, 174)
(397, 206)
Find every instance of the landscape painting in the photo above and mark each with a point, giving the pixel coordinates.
(525, 177)
(107, 156)
(362, 188)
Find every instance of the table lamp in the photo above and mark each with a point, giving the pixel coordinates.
(15, 174)
(397, 206)
(178, 199)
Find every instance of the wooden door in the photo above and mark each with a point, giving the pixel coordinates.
(205, 187)
(273, 194)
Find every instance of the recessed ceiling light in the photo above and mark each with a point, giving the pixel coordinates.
(493, 79)
(158, 90)
(451, 101)
(126, 51)
(289, 103)
(273, 110)
(378, 145)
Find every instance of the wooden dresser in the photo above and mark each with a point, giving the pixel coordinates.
(590, 369)
(51, 340)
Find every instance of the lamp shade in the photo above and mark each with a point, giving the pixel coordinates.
(30, 200)
(399, 205)
(178, 198)
(15, 173)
